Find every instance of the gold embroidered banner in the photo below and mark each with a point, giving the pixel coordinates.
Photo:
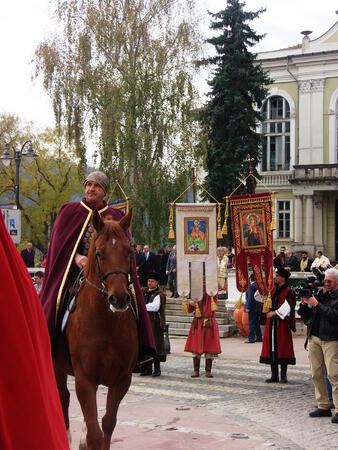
(196, 244)
(253, 240)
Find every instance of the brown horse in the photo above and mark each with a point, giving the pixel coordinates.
(101, 332)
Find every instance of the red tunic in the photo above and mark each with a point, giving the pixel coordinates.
(203, 335)
(30, 411)
(68, 230)
(277, 342)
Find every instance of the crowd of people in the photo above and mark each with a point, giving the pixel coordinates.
(154, 272)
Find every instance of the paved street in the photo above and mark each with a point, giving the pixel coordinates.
(234, 410)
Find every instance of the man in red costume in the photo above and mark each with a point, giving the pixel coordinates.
(30, 412)
(203, 335)
(67, 255)
(277, 342)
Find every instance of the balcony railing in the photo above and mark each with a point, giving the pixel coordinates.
(276, 179)
(315, 172)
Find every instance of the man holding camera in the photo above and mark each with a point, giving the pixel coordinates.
(320, 313)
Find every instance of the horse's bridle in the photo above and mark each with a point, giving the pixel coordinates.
(103, 276)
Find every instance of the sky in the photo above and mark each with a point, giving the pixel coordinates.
(26, 23)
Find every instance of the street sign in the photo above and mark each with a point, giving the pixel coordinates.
(12, 219)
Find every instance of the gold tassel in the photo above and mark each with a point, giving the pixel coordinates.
(171, 234)
(273, 221)
(213, 304)
(219, 231)
(238, 304)
(197, 310)
(267, 305)
(184, 305)
(225, 225)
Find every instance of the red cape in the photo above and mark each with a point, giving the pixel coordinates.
(68, 229)
(30, 411)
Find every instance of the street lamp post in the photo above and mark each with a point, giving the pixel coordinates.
(18, 154)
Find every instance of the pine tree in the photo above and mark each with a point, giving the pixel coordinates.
(238, 89)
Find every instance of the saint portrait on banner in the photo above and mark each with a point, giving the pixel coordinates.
(253, 229)
(196, 230)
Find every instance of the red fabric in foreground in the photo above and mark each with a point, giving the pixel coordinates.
(30, 411)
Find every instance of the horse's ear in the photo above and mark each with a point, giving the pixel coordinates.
(97, 222)
(125, 222)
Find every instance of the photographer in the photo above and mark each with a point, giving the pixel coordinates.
(319, 312)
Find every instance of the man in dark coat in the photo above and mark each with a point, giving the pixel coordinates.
(171, 272)
(67, 255)
(155, 303)
(277, 342)
(320, 313)
(150, 261)
(28, 255)
(161, 265)
(141, 265)
(291, 262)
(254, 309)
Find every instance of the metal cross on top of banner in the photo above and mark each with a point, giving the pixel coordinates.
(253, 224)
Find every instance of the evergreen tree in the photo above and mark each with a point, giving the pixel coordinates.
(238, 89)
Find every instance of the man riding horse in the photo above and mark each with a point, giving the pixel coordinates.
(67, 255)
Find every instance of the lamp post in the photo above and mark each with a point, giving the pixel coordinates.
(18, 154)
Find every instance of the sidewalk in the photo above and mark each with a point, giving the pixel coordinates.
(235, 348)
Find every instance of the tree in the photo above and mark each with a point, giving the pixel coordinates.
(238, 89)
(125, 69)
(46, 183)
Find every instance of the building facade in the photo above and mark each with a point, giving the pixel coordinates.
(300, 146)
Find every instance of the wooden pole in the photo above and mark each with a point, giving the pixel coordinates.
(193, 186)
(249, 160)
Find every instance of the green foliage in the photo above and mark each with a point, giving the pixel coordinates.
(46, 183)
(238, 89)
(124, 68)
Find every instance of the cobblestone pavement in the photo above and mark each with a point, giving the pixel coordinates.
(234, 410)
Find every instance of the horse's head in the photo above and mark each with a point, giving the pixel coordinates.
(110, 257)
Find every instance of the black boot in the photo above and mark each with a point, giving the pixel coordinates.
(157, 368)
(274, 374)
(283, 373)
(208, 366)
(196, 372)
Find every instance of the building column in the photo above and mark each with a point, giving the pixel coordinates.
(319, 222)
(299, 219)
(309, 220)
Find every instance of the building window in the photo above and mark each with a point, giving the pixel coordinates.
(284, 218)
(276, 134)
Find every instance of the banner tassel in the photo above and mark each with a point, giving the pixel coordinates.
(238, 304)
(171, 234)
(197, 310)
(267, 305)
(225, 225)
(184, 305)
(213, 303)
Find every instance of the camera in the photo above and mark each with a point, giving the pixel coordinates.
(314, 282)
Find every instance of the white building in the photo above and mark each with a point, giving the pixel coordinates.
(300, 150)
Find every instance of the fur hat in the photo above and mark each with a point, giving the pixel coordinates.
(154, 276)
(283, 272)
(100, 178)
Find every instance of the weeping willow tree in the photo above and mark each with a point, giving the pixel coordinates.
(123, 70)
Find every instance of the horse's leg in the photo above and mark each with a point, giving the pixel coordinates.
(114, 397)
(86, 393)
(61, 381)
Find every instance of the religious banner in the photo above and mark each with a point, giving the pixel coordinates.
(196, 249)
(122, 204)
(253, 241)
